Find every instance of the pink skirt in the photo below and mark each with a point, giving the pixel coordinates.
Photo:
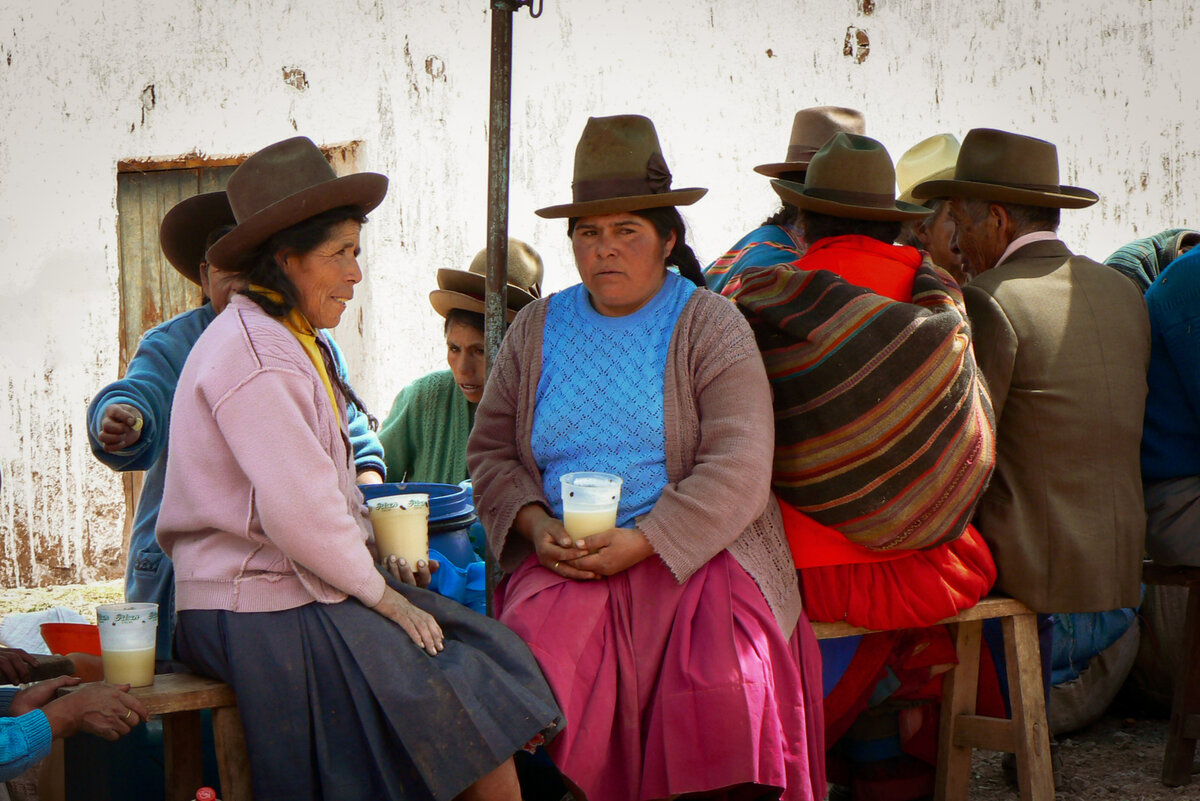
(670, 688)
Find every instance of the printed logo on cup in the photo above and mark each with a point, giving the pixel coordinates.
(389, 503)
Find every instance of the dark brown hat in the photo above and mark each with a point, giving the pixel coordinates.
(284, 184)
(465, 289)
(1004, 167)
(851, 176)
(812, 128)
(186, 227)
(619, 166)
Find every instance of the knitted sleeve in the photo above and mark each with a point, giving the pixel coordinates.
(368, 452)
(396, 434)
(24, 740)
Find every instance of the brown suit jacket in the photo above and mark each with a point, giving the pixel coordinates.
(1064, 343)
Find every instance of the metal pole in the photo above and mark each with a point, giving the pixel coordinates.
(496, 299)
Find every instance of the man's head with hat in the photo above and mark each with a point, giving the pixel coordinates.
(928, 160)
(188, 230)
(1005, 186)
(849, 189)
(460, 299)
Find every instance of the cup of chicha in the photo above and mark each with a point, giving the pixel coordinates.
(127, 638)
(401, 524)
(590, 502)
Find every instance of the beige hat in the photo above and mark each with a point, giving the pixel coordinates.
(851, 176)
(282, 185)
(1004, 167)
(812, 128)
(465, 289)
(619, 166)
(929, 160)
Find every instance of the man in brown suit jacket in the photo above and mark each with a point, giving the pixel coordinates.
(1064, 343)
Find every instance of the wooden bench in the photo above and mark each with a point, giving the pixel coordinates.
(1026, 734)
(1184, 729)
(179, 698)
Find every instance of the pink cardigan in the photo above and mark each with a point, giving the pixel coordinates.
(719, 445)
(260, 510)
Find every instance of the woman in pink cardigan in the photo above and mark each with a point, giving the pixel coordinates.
(675, 643)
(350, 685)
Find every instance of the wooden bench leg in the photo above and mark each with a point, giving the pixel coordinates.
(959, 690)
(1035, 774)
(232, 759)
(1185, 704)
(183, 760)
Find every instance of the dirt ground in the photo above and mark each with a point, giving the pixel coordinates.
(1115, 759)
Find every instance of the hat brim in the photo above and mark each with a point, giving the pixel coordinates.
(613, 205)
(779, 169)
(365, 190)
(444, 301)
(1068, 197)
(468, 283)
(186, 227)
(907, 195)
(796, 194)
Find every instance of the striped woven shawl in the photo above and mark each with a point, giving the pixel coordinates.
(883, 428)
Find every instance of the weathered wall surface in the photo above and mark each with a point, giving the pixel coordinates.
(1108, 81)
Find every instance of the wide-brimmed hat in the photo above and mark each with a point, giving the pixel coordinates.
(465, 289)
(186, 227)
(851, 176)
(812, 128)
(931, 159)
(619, 166)
(1005, 167)
(284, 184)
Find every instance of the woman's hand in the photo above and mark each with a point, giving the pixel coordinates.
(418, 624)
(612, 551)
(369, 476)
(120, 427)
(551, 541)
(15, 665)
(105, 710)
(400, 570)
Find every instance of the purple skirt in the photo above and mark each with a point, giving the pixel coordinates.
(671, 689)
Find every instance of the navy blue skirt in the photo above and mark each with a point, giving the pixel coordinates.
(338, 703)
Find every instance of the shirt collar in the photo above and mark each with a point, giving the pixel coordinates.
(1023, 240)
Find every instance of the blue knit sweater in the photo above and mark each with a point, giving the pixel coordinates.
(1171, 434)
(24, 740)
(149, 386)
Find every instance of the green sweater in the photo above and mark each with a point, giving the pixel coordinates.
(425, 435)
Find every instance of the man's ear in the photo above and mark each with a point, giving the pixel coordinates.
(999, 218)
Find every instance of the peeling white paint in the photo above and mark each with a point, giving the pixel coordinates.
(1111, 82)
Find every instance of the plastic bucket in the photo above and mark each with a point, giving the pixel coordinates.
(446, 501)
(451, 539)
(67, 638)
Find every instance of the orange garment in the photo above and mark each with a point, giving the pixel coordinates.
(887, 270)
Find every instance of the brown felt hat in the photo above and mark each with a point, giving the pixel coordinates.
(185, 229)
(851, 176)
(812, 128)
(465, 289)
(619, 166)
(284, 184)
(1004, 167)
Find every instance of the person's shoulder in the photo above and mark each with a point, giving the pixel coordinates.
(186, 326)
(244, 339)
(438, 382)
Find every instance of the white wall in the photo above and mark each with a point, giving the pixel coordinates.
(1108, 81)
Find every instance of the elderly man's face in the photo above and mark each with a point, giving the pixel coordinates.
(979, 234)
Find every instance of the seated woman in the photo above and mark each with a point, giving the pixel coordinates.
(277, 592)
(425, 435)
(675, 642)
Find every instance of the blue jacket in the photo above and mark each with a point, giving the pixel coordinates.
(149, 385)
(24, 740)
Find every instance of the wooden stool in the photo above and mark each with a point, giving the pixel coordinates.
(1184, 728)
(178, 698)
(1026, 734)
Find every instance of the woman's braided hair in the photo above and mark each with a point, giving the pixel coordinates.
(263, 269)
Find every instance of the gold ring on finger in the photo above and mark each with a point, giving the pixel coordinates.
(556, 565)
(128, 712)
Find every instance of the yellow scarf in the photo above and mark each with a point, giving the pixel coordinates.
(306, 335)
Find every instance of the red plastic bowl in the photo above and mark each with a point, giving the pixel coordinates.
(66, 638)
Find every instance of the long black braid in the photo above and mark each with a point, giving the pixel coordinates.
(262, 269)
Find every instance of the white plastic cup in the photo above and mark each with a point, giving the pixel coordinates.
(401, 524)
(590, 502)
(127, 639)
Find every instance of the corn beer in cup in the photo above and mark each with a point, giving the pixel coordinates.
(401, 524)
(590, 502)
(127, 640)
